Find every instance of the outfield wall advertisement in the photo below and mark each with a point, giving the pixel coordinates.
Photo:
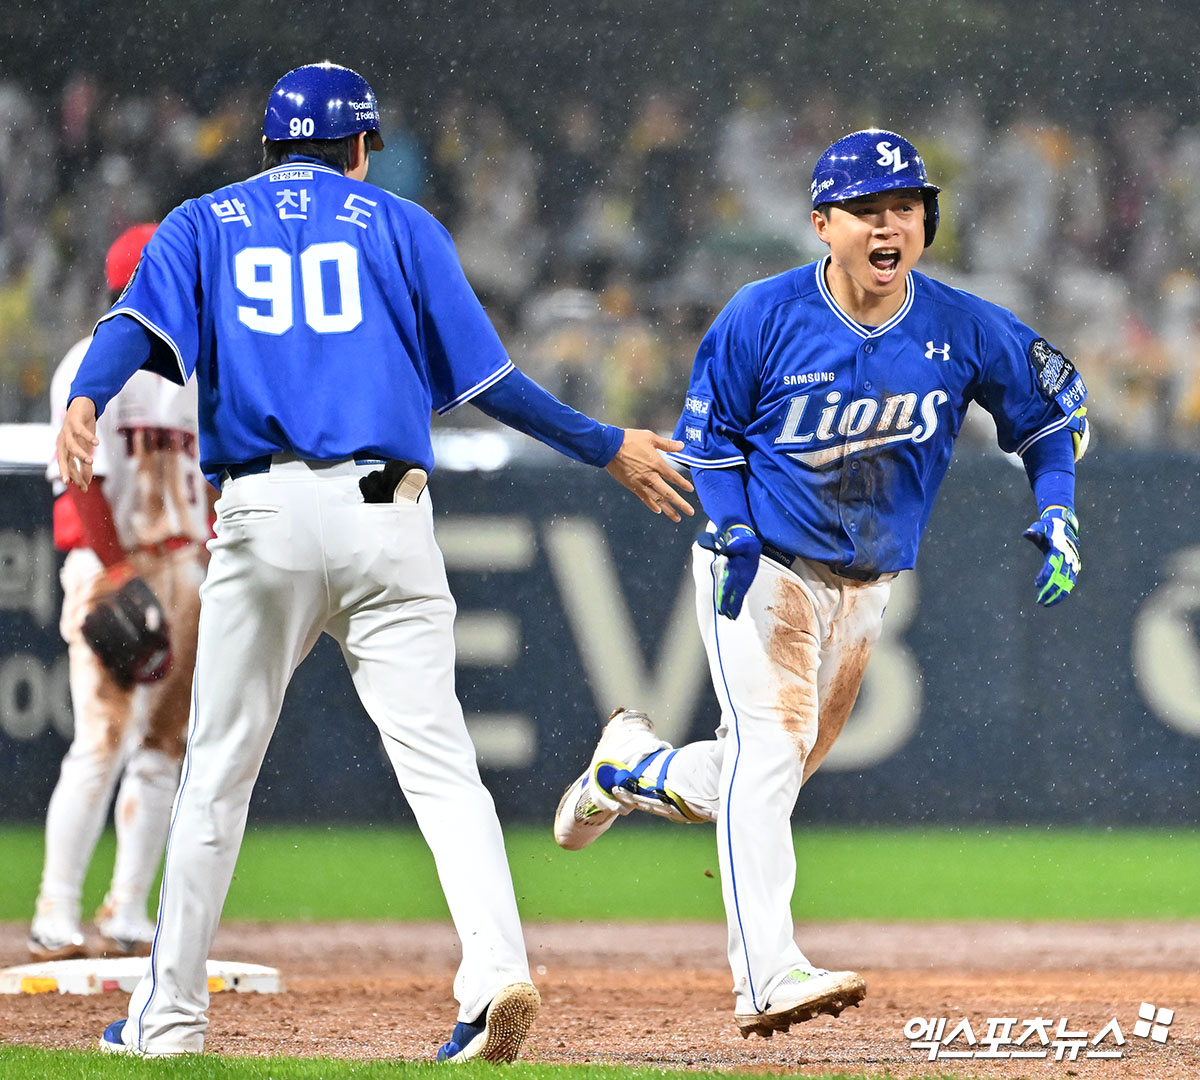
(978, 706)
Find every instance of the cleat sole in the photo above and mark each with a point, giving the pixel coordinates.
(509, 1019)
(831, 1004)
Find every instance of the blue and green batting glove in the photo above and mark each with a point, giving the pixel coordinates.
(742, 549)
(1056, 533)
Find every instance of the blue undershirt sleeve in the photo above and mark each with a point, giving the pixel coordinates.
(519, 402)
(120, 346)
(1050, 465)
(722, 493)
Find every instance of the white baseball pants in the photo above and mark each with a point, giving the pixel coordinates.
(298, 552)
(787, 673)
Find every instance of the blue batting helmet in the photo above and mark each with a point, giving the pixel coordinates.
(322, 101)
(870, 161)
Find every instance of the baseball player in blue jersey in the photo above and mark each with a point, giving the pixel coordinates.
(324, 319)
(818, 424)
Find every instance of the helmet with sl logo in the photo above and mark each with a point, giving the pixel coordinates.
(870, 161)
(322, 101)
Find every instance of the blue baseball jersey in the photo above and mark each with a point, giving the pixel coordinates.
(323, 317)
(846, 431)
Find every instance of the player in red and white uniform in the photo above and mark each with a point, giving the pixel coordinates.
(148, 517)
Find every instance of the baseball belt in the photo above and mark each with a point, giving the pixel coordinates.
(787, 559)
(263, 464)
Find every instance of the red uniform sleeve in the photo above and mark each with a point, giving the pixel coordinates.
(97, 527)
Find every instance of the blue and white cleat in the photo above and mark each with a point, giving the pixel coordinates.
(113, 1039)
(586, 811)
(113, 1042)
(497, 1035)
(633, 790)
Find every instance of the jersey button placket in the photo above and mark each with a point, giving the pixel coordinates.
(852, 475)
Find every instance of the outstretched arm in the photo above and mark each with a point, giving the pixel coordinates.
(119, 347)
(631, 456)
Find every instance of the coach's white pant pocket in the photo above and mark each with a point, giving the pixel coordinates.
(236, 515)
(242, 522)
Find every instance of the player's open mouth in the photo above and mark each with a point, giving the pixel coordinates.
(886, 259)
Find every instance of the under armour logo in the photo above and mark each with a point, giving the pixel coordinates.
(943, 352)
(890, 157)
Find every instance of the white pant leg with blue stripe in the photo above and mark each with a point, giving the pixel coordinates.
(786, 673)
(298, 552)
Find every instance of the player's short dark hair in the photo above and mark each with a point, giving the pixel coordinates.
(335, 152)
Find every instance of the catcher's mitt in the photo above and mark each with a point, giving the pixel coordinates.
(128, 632)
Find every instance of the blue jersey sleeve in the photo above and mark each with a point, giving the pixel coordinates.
(1029, 387)
(163, 296)
(722, 394)
(464, 353)
(118, 348)
(1050, 465)
(722, 493)
(519, 402)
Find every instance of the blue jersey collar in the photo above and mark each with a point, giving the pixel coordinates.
(857, 327)
(294, 159)
(298, 159)
(308, 162)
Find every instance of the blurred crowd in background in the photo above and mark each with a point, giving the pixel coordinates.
(603, 248)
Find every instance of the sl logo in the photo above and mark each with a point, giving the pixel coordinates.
(943, 352)
(890, 157)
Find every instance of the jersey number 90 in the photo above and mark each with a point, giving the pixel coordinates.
(329, 288)
(301, 127)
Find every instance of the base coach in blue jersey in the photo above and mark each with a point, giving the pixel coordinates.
(324, 319)
(818, 425)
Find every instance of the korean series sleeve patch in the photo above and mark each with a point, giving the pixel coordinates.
(1057, 378)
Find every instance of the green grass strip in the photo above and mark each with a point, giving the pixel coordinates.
(661, 872)
(29, 1064)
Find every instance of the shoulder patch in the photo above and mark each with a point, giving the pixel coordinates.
(697, 409)
(1056, 376)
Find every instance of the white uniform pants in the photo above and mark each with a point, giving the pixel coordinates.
(787, 673)
(297, 552)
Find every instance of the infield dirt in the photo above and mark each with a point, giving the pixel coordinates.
(658, 996)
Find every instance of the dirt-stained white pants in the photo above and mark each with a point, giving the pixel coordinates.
(297, 552)
(787, 673)
(136, 733)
